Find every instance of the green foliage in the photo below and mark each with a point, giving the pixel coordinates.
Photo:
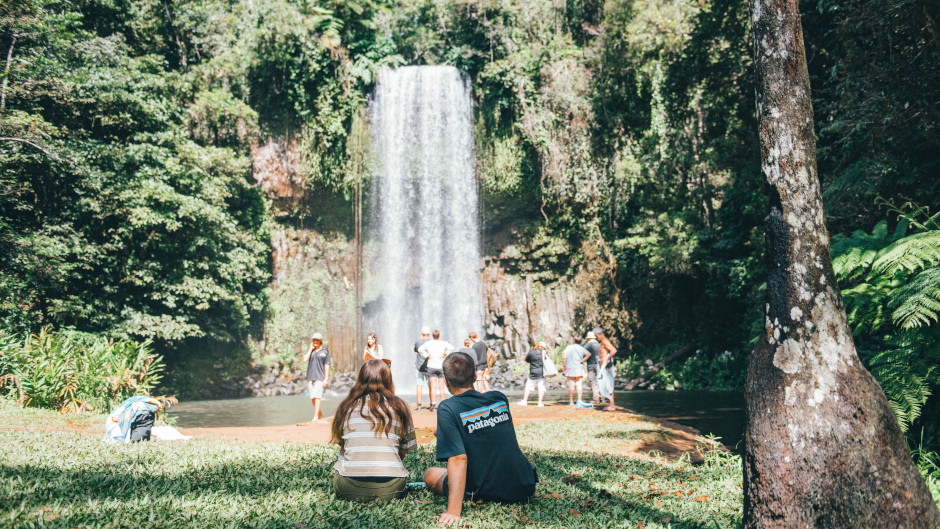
(874, 78)
(891, 288)
(114, 218)
(75, 373)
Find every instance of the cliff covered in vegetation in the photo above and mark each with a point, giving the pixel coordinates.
(186, 171)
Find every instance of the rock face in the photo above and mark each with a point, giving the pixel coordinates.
(312, 291)
(519, 312)
(274, 381)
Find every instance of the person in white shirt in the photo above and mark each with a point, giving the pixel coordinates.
(435, 351)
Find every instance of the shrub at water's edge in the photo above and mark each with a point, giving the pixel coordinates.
(75, 372)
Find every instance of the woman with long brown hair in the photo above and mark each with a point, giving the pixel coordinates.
(374, 431)
(373, 350)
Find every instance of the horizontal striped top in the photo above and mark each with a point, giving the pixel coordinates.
(365, 453)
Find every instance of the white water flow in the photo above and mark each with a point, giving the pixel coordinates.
(424, 212)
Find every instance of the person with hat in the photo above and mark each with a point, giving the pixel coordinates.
(536, 360)
(421, 366)
(593, 347)
(607, 352)
(318, 373)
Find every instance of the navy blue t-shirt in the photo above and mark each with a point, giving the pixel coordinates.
(480, 426)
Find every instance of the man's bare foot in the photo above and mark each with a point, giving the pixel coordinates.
(610, 408)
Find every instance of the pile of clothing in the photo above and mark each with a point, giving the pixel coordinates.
(132, 420)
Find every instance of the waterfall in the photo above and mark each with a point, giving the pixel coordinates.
(423, 226)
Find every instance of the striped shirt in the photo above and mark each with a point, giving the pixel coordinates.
(365, 452)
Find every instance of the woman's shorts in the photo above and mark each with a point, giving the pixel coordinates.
(531, 384)
(577, 371)
(315, 389)
(366, 489)
(435, 373)
(483, 375)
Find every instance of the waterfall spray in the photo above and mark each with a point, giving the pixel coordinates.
(424, 211)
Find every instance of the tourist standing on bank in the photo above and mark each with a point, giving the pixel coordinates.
(607, 363)
(575, 356)
(421, 367)
(536, 379)
(318, 373)
(482, 382)
(435, 350)
(593, 347)
(476, 438)
(373, 350)
(374, 431)
(468, 350)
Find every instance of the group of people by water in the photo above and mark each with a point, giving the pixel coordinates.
(475, 434)
(593, 360)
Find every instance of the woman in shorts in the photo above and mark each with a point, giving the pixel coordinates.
(575, 356)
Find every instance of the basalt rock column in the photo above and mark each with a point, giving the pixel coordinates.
(424, 225)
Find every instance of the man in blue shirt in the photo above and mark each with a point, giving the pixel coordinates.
(476, 438)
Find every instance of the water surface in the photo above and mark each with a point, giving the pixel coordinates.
(710, 412)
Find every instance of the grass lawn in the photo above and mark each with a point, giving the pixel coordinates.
(63, 479)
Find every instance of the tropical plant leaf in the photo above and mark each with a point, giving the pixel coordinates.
(916, 303)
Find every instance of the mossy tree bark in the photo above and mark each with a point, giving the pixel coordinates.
(823, 448)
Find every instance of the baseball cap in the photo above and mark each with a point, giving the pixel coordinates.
(590, 335)
(317, 336)
(540, 344)
(425, 330)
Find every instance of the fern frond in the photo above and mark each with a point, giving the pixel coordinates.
(912, 253)
(907, 385)
(917, 302)
(866, 305)
(852, 257)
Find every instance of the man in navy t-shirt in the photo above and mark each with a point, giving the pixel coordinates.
(476, 437)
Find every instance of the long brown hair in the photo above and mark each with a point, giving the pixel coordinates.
(373, 388)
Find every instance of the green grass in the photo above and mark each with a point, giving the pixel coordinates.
(56, 479)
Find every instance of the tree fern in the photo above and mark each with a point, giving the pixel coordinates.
(917, 302)
(891, 289)
(909, 254)
(906, 377)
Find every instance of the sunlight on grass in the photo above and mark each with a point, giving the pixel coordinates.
(57, 479)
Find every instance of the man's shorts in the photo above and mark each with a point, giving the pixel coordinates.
(435, 373)
(421, 377)
(467, 495)
(531, 384)
(315, 389)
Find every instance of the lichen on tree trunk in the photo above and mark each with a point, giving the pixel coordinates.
(823, 448)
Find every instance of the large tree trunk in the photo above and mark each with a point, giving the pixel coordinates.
(822, 447)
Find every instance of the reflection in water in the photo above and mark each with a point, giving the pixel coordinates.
(717, 413)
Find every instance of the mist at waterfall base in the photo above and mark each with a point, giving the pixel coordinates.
(423, 224)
